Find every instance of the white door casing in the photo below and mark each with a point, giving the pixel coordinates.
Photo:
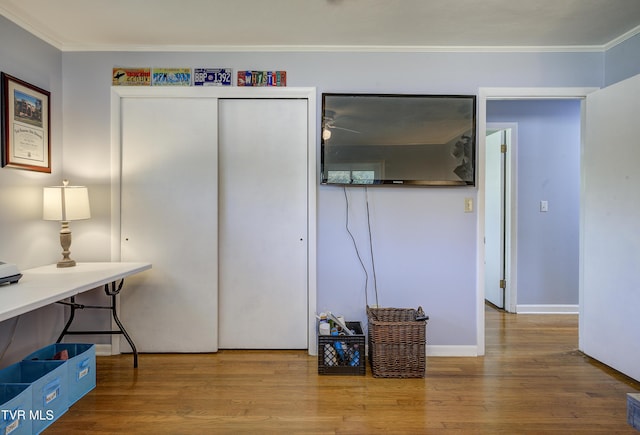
(485, 94)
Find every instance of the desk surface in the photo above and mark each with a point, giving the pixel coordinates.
(48, 284)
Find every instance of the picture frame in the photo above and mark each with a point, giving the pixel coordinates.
(26, 125)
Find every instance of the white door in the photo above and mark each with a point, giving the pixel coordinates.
(263, 231)
(169, 218)
(610, 228)
(494, 218)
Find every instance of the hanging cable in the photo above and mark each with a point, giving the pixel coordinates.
(355, 245)
(373, 264)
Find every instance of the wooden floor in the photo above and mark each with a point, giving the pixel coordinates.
(532, 380)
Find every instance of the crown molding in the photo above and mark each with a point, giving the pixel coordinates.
(620, 39)
(27, 26)
(333, 48)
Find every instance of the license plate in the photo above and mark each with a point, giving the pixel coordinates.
(212, 77)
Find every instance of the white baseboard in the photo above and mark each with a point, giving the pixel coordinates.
(432, 350)
(446, 350)
(547, 309)
(103, 350)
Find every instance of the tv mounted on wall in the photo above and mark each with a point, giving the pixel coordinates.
(397, 139)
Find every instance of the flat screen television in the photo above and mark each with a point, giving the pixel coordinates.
(398, 139)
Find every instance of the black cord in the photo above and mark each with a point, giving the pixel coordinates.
(373, 264)
(355, 245)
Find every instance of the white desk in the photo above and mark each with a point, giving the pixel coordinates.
(45, 285)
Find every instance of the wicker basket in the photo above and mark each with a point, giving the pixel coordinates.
(397, 343)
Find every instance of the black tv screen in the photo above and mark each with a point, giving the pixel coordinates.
(396, 139)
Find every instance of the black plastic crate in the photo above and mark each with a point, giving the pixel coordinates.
(342, 354)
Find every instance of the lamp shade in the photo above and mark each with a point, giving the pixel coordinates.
(65, 203)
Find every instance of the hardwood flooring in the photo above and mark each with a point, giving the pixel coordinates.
(532, 380)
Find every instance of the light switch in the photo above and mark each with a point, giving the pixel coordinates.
(468, 205)
(544, 206)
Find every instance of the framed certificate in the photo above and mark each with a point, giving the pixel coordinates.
(25, 125)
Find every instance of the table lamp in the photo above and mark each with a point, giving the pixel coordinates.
(65, 203)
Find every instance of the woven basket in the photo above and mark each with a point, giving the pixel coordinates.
(397, 343)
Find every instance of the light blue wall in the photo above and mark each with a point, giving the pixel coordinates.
(424, 244)
(29, 59)
(548, 168)
(25, 239)
(621, 61)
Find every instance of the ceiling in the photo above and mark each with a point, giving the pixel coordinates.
(318, 25)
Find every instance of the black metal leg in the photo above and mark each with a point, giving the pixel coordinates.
(124, 331)
(113, 292)
(71, 315)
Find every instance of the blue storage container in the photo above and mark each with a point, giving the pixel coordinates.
(633, 410)
(81, 366)
(15, 403)
(49, 389)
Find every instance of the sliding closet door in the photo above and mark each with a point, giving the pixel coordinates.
(263, 220)
(169, 218)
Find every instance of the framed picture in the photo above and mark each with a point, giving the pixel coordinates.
(25, 125)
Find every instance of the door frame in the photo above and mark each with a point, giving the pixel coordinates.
(308, 93)
(491, 93)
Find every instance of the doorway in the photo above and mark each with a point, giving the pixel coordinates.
(486, 94)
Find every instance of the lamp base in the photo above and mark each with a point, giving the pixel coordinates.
(65, 242)
(66, 262)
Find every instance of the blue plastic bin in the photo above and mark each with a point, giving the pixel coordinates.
(81, 366)
(49, 388)
(15, 403)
